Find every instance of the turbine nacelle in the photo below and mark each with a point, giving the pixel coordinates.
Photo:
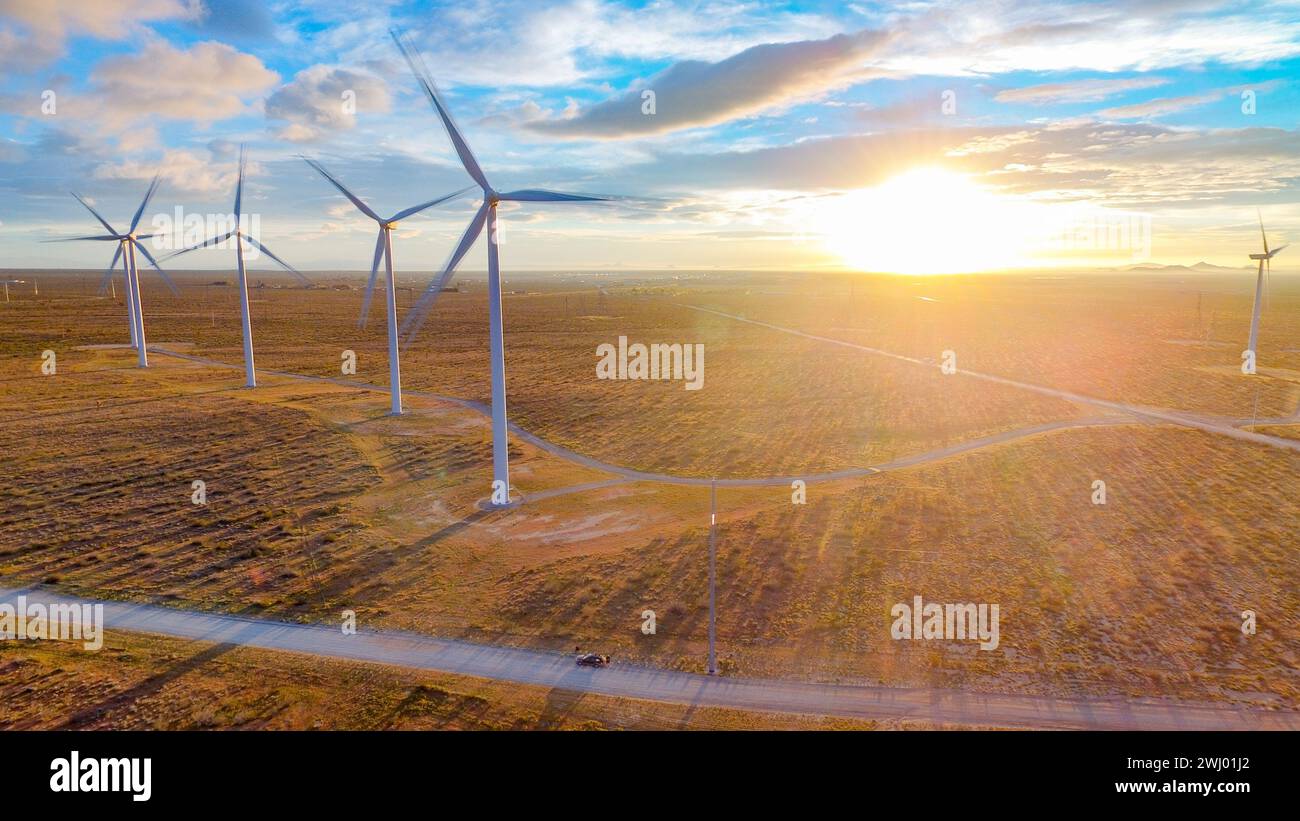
(237, 233)
(382, 249)
(1268, 254)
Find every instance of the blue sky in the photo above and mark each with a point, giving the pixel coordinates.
(785, 135)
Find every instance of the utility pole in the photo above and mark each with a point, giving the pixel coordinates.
(713, 577)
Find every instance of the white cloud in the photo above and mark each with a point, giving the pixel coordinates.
(1158, 107)
(1076, 91)
(204, 84)
(181, 170)
(961, 38)
(128, 97)
(526, 43)
(324, 99)
(33, 33)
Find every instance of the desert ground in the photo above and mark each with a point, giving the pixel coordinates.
(966, 488)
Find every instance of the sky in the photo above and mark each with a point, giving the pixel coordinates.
(916, 137)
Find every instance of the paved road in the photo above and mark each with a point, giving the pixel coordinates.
(763, 695)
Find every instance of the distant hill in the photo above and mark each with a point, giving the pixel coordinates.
(1206, 266)
(1202, 267)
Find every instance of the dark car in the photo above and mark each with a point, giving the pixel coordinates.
(592, 660)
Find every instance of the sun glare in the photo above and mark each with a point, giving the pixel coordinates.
(926, 221)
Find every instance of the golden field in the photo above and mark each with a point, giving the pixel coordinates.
(318, 502)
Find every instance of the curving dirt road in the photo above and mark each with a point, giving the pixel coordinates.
(1156, 414)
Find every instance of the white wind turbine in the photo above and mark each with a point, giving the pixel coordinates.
(487, 213)
(240, 237)
(384, 250)
(127, 244)
(1265, 259)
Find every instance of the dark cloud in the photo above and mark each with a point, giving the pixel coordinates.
(694, 93)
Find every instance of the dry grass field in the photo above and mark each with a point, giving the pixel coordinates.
(318, 502)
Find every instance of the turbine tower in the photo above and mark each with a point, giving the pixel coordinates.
(250, 372)
(127, 244)
(1265, 260)
(487, 213)
(384, 250)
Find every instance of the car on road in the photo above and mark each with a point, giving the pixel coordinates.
(592, 660)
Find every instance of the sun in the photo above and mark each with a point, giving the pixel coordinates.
(925, 221)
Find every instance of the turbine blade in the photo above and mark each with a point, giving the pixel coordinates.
(239, 186)
(102, 221)
(365, 209)
(540, 195)
(374, 274)
(1278, 250)
(415, 318)
(148, 195)
(286, 266)
(98, 237)
(415, 209)
(421, 73)
(1261, 229)
(145, 251)
(108, 272)
(213, 241)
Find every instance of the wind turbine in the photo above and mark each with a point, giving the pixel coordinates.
(487, 213)
(384, 250)
(1265, 260)
(250, 372)
(127, 244)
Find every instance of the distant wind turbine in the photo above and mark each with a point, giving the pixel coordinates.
(487, 213)
(1265, 261)
(384, 250)
(250, 372)
(127, 244)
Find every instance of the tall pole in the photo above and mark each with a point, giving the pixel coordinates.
(250, 371)
(1254, 317)
(496, 345)
(139, 307)
(394, 365)
(713, 578)
(130, 292)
